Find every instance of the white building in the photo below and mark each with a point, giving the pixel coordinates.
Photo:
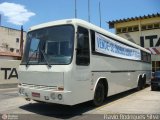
(11, 43)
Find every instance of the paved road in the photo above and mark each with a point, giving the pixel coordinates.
(130, 102)
(8, 93)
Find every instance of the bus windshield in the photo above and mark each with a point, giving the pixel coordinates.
(51, 45)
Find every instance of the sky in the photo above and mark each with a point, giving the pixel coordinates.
(15, 13)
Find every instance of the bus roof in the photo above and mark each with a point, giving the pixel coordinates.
(89, 26)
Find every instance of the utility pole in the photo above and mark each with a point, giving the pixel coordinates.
(0, 19)
(75, 8)
(21, 41)
(100, 13)
(88, 10)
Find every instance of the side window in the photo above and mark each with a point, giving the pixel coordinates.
(93, 40)
(149, 58)
(83, 54)
(146, 57)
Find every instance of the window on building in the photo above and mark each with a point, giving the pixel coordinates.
(143, 27)
(127, 29)
(118, 30)
(150, 26)
(155, 66)
(17, 40)
(17, 51)
(157, 25)
(124, 30)
(135, 28)
(12, 49)
(130, 29)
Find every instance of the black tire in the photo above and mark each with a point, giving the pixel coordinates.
(144, 81)
(99, 95)
(153, 88)
(140, 83)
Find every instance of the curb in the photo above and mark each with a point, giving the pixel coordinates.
(12, 85)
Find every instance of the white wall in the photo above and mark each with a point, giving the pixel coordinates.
(9, 71)
(8, 39)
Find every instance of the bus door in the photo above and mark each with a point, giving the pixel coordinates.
(83, 55)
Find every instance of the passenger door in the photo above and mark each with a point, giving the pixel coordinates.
(83, 55)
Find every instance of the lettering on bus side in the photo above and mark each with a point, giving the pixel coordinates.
(9, 73)
(108, 46)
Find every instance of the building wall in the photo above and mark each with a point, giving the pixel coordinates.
(10, 39)
(147, 38)
(9, 72)
(7, 58)
(137, 22)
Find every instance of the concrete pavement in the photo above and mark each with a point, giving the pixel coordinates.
(8, 85)
(136, 102)
(144, 102)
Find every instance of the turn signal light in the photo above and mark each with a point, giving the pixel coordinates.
(61, 88)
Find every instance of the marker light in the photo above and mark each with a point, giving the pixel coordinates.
(53, 96)
(59, 96)
(61, 88)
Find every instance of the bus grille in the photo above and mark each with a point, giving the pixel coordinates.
(39, 87)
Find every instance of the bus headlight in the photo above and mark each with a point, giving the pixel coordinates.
(59, 96)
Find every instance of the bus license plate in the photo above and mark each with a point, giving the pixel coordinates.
(36, 94)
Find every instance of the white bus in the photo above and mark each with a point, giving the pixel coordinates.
(72, 61)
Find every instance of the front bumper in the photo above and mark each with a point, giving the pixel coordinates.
(58, 97)
(155, 84)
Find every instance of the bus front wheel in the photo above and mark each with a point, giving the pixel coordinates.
(99, 94)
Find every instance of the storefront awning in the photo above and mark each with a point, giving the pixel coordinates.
(154, 50)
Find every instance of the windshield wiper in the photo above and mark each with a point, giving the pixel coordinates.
(45, 58)
(31, 57)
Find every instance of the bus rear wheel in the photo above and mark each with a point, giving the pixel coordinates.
(141, 83)
(99, 95)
